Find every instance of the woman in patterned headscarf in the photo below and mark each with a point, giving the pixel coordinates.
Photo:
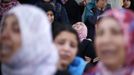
(114, 43)
(6, 5)
(26, 46)
(86, 49)
(81, 29)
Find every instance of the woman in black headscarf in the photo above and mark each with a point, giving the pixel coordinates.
(60, 12)
(73, 10)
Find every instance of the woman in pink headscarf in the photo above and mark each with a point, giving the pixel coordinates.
(86, 49)
(81, 29)
(6, 5)
(114, 42)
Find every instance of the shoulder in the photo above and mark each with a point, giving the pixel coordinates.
(90, 69)
(65, 72)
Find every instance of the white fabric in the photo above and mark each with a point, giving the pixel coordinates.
(38, 55)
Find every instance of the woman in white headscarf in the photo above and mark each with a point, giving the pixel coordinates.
(26, 46)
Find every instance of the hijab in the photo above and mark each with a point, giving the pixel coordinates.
(37, 55)
(125, 18)
(4, 7)
(81, 29)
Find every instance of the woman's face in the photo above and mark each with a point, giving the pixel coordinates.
(67, 45)
(78, 26)
(102, 3)
(109, 43)
(50, 15)
(127, 3)
(10, 38)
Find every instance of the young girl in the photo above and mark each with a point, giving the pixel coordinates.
(67, 42)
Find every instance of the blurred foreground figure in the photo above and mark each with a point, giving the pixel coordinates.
(114, 42)
(26, 46)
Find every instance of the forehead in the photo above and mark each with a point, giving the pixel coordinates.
(65, 34)
(107, 23)
(9, 18)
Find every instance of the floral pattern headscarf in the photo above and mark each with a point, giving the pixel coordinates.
(125, 18)
(81, 29)
(4, 7)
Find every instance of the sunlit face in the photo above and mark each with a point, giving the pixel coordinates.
(67, 45)
(109, 43)
(50, 15)
(10, 38)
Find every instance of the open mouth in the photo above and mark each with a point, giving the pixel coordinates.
(65, 56)
(109, 52)
(5, 48)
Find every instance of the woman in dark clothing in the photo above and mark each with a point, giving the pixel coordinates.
(49, 10)
(60, 12)
(73, 10)
(132, 5)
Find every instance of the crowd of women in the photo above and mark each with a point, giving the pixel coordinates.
(66, 37)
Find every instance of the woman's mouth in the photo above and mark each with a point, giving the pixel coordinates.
(109, 52)
(5, 49)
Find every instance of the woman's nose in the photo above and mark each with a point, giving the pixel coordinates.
(4, 34)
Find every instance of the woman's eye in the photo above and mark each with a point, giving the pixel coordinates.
(99, 33)
(61, 42)
(2, 27)
(15, 27)
(73, 45)
(116, 32)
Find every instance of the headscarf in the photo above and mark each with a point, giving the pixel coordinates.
(81, 29)
(37, 55)
(4, 7)
(47, 7)
(126, 20)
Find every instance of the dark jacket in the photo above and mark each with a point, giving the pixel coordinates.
(28, 1)
(74, 11)
(65, 72)
(94, 13)
(86, 48)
